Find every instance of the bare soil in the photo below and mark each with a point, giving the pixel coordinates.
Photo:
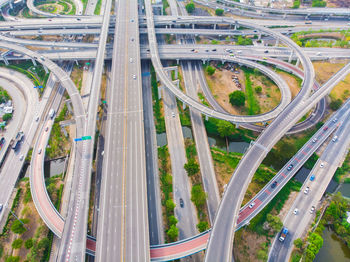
(292, 83)
(338, 3)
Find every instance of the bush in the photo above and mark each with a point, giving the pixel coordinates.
(12, 259)
(202, 226)
(224, 128)
(17, 227)
(198, 196)
(258, 89)
(219, 12)
(335, 104)
(296, 4)
(190, 7)
(173, 233)
(7, 117)
(170, 205)
(298, 243)
(17, 244)
(29, 243)
(237, 98)
(172, 220)
(210, 70)
(318, 3)
(191, 167)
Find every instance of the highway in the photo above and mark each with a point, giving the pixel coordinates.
(123, 219)
(331, 158)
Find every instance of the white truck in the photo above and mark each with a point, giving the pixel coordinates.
(52, 113)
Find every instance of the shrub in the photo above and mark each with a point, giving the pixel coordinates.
(296, 4)
(17, 244)
(190, 7)
(7, 117)
(173, 233)
(210, 70)
(258, 89)
(17, 227)
(237, 98)
(202, 226)
(29, 243)
(219, 12)
(198, 196)
(335, 104)
(191, 167)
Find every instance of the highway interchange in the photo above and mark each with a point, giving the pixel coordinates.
(123, 229)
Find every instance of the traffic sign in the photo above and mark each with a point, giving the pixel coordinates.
(78, 139)
(86, 138)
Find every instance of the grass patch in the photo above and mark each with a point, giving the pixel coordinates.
(98, 7)
(157, 106)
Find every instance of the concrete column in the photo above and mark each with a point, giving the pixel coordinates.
(64, 131)
(11, 5)
(76, 62)
(46, 70)
(290, 57)
(237, 125)
(192, 26)
(5, 60)
(259, 36)
(284, 16)
(298, 62)
(69, 106)
(177, 61)
(183, 106)
(178, 84)
(277, 42)
(214, 26)
(206, 118)
(204, 61)
(176, 73)
(160, 92)
(33, 61)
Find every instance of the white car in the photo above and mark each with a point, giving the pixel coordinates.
(21, 157)
(312, 209)
(252, 205)
(39, 151)
(314, 140)
(134, 76)
(322, 165)
(296, 211)
(306, 191)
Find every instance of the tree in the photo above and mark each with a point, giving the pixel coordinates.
(43, 243)
(173, 233)
(29, 243)
(170, 205)
(17, 227)
(225, 129)
(258, 89)
(210, 70)
(198, 196)
(274, 222)
(296, 4)
(17, 244)
(12, 259)
(202, 226)
(262, 254)
(7, 117)
(298, 243)
(172, 220)
(191, 167)
(219, 12)
(318, 3)
(335, 104)
(190, 7)
(237, 98)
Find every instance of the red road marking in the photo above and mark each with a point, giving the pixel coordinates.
(283, 175)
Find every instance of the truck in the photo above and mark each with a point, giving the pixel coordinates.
(283, 234)
(17, 141)
(51, 113)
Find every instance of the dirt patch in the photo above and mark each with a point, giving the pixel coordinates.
(247, 244)
(293, 84)
(333, 35)
(324, 70)
(287, 205)
(338, 3)
(221, 85)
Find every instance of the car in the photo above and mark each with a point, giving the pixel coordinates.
(312, 177)
(335, 120)
(306, 191)
(266, 51)
(50, 19)
(46, 129)
(207, 50)
(214, 49)
(172, 114)
(79, 19)
(312, 209)
(134, 76)
(131, 60)
(335, 138)
(274, 184)
(322, 165)
(132, 20)
(21, 157)
(252, 205)
(1, 206)
(37, 118)
(132, 39)
(290, 167)
(42, 58)
(192, 50)
(39, 151)
(296, 211)
(314, 140)
(181, 202)
(325, 128)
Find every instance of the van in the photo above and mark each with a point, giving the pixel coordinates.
(335, 138)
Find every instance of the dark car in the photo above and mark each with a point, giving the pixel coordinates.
(274, 184)
(181, 202)
(266, 51)
(1, 207)
(290, 167)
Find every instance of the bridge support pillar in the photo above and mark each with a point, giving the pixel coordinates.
(236, 125)
(214, 26)
(46, 70)
(5, 60)
(11, 5)
(284, 16)
(177, 61)
(277, 42)
(160, 92)
(206, 118)
(183, 106)
(204, 61)
(192, 26)
(69, 105)
(290, 57)
(33, 61)
(76, 62)
(298, 62)
(259, 36)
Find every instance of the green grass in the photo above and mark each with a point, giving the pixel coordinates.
(98, 7)
(157, 106)
(202, 99)
(253, 104)
(85, 2)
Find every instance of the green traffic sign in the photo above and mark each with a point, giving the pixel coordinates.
(104, 101)
(86, 138)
